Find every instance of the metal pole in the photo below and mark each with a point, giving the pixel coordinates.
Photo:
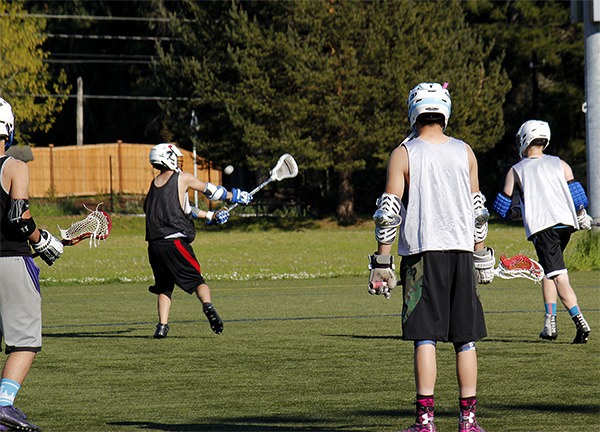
(79, 115)
(194, 128)
(591, 19)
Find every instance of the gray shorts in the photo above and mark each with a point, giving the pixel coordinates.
(20, 304)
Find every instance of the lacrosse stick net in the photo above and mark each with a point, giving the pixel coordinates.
(285, 168)
(519, 266)
(96, 226)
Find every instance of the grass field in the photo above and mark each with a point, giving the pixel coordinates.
(305, 348)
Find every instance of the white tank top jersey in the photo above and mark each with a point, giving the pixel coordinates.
(546, 197)
(440, 214)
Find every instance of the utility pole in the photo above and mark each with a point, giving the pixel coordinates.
(588, 12)
(79, 114)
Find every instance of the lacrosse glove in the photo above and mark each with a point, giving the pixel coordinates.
(382, 278)
(240, 196)
(584, 220)
(484, 261)
(49, 247)
(219, 217)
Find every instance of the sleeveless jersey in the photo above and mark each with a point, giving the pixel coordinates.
(10, 244)
(164, 215)
(439, 213)
(546, 197)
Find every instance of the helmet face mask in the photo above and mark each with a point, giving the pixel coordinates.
(167, 156)
(532, 130)
(429, 98)
(7, 123)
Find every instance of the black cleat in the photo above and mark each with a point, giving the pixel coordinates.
(161, 331)
(216, 324)
(14, 419)
(583, 329)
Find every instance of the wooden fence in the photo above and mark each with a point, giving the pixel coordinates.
(100, 169)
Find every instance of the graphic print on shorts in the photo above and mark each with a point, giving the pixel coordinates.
(411, 274)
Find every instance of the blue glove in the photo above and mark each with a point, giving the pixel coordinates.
(220, 217)
(240, 196)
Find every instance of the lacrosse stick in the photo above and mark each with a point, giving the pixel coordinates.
(96, 226)
(519, 266)
(286, 167)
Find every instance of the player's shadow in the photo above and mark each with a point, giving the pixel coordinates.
(368, 337)
(258, 424)
(509, 339)
(98, 334)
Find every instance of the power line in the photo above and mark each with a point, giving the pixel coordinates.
(105, 97)
(91, 17)
(111, 37)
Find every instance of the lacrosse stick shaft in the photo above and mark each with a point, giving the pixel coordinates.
(253, 191)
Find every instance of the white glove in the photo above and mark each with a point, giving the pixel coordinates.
(382, 278)
(584, 220)
(484, 261)
(49, 248)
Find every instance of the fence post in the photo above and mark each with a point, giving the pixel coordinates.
(52, 188)
(120, 156)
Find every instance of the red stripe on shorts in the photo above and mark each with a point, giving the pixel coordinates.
(189, 258)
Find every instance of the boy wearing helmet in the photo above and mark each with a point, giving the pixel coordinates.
(20, 300)
(552, 207)
(170, 232)
(432, 194)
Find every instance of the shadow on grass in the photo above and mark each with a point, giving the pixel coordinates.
(526, 341)
(252, 424)
(370, 337)
(105, 334)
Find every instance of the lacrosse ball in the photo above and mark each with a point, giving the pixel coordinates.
(228, 170)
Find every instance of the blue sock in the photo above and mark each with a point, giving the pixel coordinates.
(574, 310)
(8, 391)
(550, 308)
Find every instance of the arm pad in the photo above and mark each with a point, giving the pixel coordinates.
(215, 193)
(23, 227)
(482, 215)
(387, 218)
(580, 199)
(502, 205)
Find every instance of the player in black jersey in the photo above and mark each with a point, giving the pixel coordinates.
(170, 232)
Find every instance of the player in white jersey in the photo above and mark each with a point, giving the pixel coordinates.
(552, 206)
(432, 194)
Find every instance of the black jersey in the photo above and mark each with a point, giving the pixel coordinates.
(11, 244)
(164, 215)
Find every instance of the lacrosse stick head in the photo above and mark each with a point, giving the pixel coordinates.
(286, 167)
(96, 226)
(520, 266)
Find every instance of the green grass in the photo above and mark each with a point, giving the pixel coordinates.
(297, 355)
(305, 348)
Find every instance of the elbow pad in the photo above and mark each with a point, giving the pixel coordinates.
(387, 218)
(482, 215)
(502, 205)
(580, 199)
(22, 227)
(215, 193)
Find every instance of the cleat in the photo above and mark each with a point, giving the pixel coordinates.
(549, 332)
(161, 331)
(216, 324)
(468, 422)
(14, 419)
(424, 421)
(583, 329)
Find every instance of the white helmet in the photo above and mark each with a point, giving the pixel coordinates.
(166, 155)
(7, 123)
(530, 130)
(428, 98)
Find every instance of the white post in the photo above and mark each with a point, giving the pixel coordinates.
(79, 115)
(591, 19)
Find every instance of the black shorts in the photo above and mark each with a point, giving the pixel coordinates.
(440, 298)
(173, 263)
(549, 245)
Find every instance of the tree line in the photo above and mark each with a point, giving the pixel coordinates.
(323, 80)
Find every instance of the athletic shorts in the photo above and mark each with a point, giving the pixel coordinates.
(440, 297)
(20, 304)
(549, 245)
(173, 263)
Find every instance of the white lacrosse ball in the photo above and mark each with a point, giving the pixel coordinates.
(228, 169)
